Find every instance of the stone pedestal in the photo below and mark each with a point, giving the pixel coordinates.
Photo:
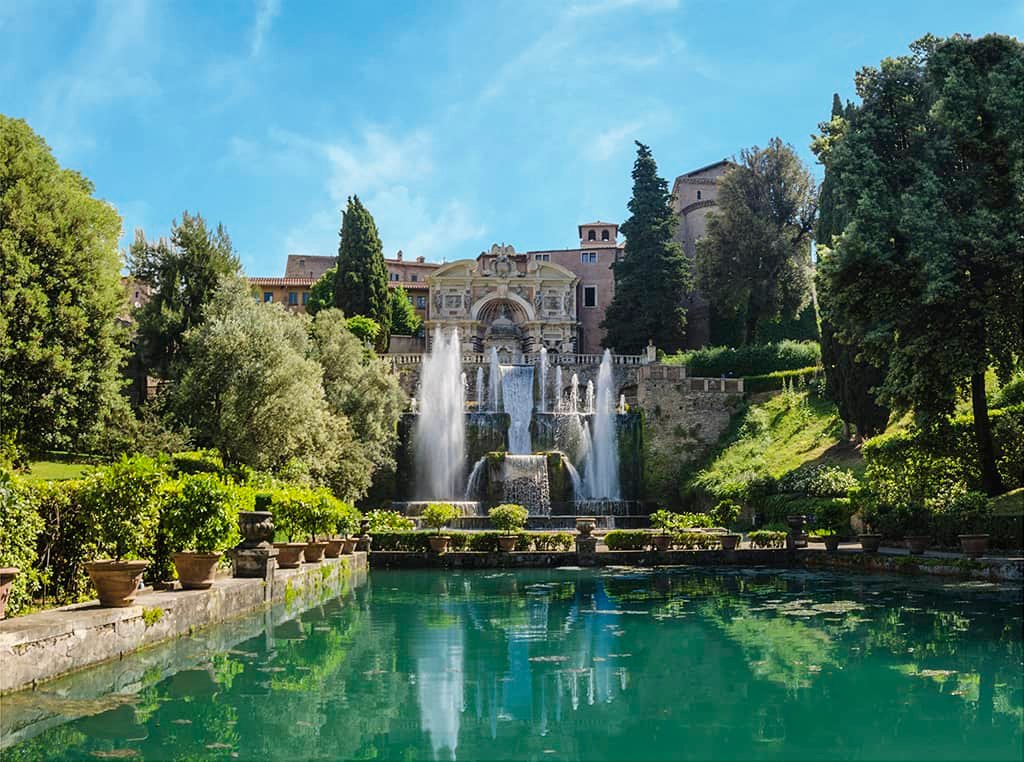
(255, 557)
(586, 550)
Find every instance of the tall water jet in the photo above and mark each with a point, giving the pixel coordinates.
(542, 364)
(494, 380)
(601, 473)
(440, 432)
(589, 408)
(558, 389)
(517, 395)
(480, 389)
(574, 394)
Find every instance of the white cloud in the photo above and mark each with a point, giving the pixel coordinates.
(265, 15)
(606, 144)
(601, 7)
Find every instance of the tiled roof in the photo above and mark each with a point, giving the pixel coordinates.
(258, 281)
(693, 172)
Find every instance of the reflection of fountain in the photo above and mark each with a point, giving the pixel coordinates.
(439, 686)
(441, 425)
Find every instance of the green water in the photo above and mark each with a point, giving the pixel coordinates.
(568, 664)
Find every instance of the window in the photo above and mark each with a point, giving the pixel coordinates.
(698, 195)
(604, 235)
(592, 236)
(414, 277)
(293, 298)
(421, 302)
(590, 296)
(305, 298)
(268, 296)
(542, 257)
(393, 276)
(588, 257)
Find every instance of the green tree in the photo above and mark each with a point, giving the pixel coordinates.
(321, 295)
(755, 258)
(61, 348)
(361, 281)
(184, 272)
(404, 320)
(928, 274)
(252, 391)
(653, 274)
(363, 328)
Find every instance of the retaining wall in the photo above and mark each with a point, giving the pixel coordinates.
(476, 560)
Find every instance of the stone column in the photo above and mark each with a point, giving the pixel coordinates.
(586, 544)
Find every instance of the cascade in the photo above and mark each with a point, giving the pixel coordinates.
(480, 389)
(601, 469)
(558, 389)
(476, 479)
(542, 363)
(525, 479)
(517, 395)
(440, 433)
(577, 482)
(494, 380)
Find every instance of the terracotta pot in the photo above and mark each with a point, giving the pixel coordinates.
(870, 542)
(116, 582)
(585, 525)
(917, 544)
(314, 552)
(334, 547)
(974, 545)
(349, 545)
(7, 575)
(831, 543)
(439, 542)
(196, 571)
(507, 543)
(729, 541)
(289, 554)
(661, 542)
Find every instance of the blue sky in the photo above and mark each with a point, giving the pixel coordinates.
(459, 124)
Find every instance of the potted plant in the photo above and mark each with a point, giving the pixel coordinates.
(318, 516)
(438, 516)
(725, 514)
(970, 512)
(666, 521)
(199, 517)
(508, 518)
(287, 512)
(916, 525)
(121, 501)
(347, 526)
(828, 536)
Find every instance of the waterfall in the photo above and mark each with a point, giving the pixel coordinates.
(517, 394)
(480, 389)
(577, 482)
(440, 433)
(542, 363)
(558, 389)
(601, 471)
(525, 479)
(476, 479)
(494, 379)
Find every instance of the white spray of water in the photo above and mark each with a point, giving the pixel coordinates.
(542, 363)
(559, 404)
(517, 394)
(621, 410)
(601, 470)
(441, 425)
(480, 389)
(494, 379)
(574, 394)
(590, 397)
(577, 482)
(476, 479)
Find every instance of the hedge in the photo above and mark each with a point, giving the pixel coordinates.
(640, 539)
(765, 538)
(773, 382)
(20, 525)
(485, 542)
(752, 360)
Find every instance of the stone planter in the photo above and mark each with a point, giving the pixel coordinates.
(729, 541)
(349, 545)
(661, 542)
(289, 554)
(831, 543)
(917, 544)
(507, 543)
(314, 552)
(585, 525)
(870, 542)
(116, 582)
(256, 528)
(196, 571)
(439, 542)
(333, 547)
(974, 545)
(7, 575)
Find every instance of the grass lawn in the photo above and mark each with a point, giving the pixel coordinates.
(53, 470)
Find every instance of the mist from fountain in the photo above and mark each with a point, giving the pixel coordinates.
(573, 405)
(601, 469)
(542, 364)
(557, 407)
(440, 433)
(480, 389)
(589, 408)
(494, 381)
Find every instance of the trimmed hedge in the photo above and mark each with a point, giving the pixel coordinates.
(641, 539)
(773, 382)
(765, 538)
(752, 360)
(20, 525)
(483, 542)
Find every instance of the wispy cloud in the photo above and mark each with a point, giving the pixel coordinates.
(601, 7)
(265, 15)
(606, 144)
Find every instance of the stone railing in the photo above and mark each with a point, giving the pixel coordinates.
(477, 358)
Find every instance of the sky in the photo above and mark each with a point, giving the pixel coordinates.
(458, 123)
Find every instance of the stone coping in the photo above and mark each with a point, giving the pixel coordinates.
(850, 558)
(38, 647)
(394, 559)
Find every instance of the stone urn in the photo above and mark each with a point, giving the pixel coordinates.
(289, 554)
(116, 582)
(334, 546)
(256, 528)
(7, 575)
(585, 525)
(507, 543)
(729, 541)
(364, 540)
(870, 542)
(974, 545)
(196, 571)
(314, 552)
(917, 543)
(662, 542)
(349, 545)
(439, 542)
(796, 522)
(831, 542)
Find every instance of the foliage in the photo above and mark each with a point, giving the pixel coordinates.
(508, 518)
(780, 380)
(361, 281)
(321, 294)
(665, 520)
(199, 513)
(749, 360)
(197, 462)
(821, 480)
(61, 348)
(627, 539)
(696, 541)
(183, 272)
(765, 538)
(755, 256)
(142, 431)
(1011, 393)
(363, 328)
(20, 525)
(483, 542)
(348, 520)
(303, 512)
(725, 513)
(404, 319)
(121, 500)
(653, 275)
(439, 515)
(67, 542)
(927, 277)
(388, 521)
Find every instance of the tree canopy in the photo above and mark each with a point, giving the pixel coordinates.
(361, 280)
(927, 276)
(184, 272)
(652, 275)
(61, 347)
(404, 320)
(321, 295)
(755, 258)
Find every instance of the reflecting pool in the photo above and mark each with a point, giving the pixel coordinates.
(572, 664)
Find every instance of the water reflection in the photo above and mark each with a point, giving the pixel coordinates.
(590, 665)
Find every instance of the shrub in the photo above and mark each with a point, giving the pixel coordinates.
(695, 521)
(68, 542)
(121, 501)
(666, 521)
(696, 540)
(545, 541)
(348, 520)
(483, 542)
(439, 515)
(751, 360)
(363, 328)
(835, 514)
(1011, 393)
(726, 513)
(764, 538)
(303, 512)
(382, 520)
(508, 517)
(819, 481)
(781, 379)
(199, 513)
(197, 462)
(20, 525)
(627, 539)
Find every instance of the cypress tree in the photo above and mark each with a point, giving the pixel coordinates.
(653, 274)
(361, 281)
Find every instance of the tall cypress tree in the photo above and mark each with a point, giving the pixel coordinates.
(653, 275)
(361, 282)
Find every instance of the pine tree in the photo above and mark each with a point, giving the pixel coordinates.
(653, 274)
(361, 282)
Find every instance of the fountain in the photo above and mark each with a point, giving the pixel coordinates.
(440, 431)
(601, 470)
(517, 396)
(480, 389)
(542, 364)
(558, 389)
(494, 379)
(525, 482)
